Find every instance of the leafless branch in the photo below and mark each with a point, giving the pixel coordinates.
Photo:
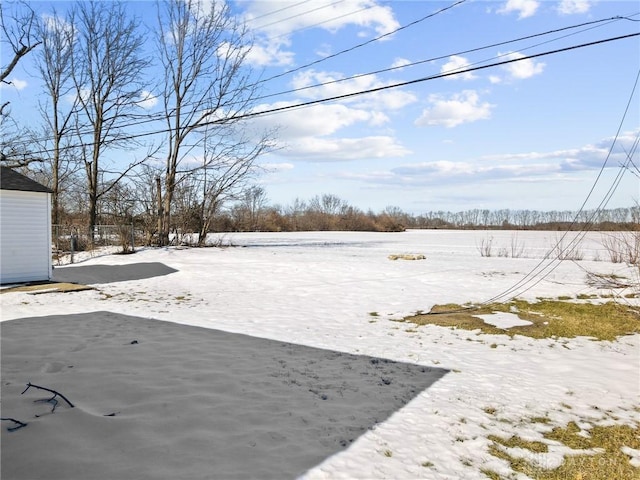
(51, 400)
(18, 423)
(17, 31)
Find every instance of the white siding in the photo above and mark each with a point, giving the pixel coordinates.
(25, 236)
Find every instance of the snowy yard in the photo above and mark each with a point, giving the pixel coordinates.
(341, 291)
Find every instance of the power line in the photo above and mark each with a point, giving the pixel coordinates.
(280, 10)
(463, 52)
(313, 25)
(423, 79)
(380, 37)
(299, 14)
(161, 116)
(537, 274)
(367, 91)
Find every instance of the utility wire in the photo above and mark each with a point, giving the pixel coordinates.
(367, 91)
(375, 39)
(464, 52)
(299, 14)
(329, 20)
(161, 116)
(268, 14)
(420, 80)
(536, 275)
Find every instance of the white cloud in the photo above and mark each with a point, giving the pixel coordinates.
(454, 64)
(558, 165)
(147, 100)
(460, 108)
(587, 157)
(445, 172)
(277, 167)
(55, 23)
(570, 7)
(323, 50)
(332, 84)
(15, 83)
(524, 8)
(400, 62)
(275, 21)
(270, 54)
(314, 149)
(378, 119)
(278, 17)
(316, 133)
(320, 120)
(521, 69)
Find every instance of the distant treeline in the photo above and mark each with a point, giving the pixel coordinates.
(328, 212)
(252, 213)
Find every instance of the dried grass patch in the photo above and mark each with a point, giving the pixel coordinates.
(407, 256)
(608, 457)
(52, 287)
(549, 318)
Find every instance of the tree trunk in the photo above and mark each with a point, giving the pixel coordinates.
(166, 209)
(93, 217)
(160, 208)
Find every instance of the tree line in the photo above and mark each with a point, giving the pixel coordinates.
(252, 212)
(329, 212)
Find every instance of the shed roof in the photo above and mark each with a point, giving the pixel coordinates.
(12, 180)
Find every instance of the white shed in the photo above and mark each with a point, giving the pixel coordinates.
(25, 229)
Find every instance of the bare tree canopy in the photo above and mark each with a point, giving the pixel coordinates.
(92, 63)
(107, 68)
(54, 61)
(17, 21)
(206, 85)
(17, 25)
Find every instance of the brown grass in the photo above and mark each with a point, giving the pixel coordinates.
(610, 464)
(47, 287)
(549, 318)
(406, 256)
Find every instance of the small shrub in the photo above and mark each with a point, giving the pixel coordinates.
(571, 251)
(486, 246)
(517, 247)
(623, 247)
(607, 281)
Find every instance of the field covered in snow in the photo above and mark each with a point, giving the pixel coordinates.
(340, 291)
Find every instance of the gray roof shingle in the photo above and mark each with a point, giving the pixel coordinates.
(12, 180)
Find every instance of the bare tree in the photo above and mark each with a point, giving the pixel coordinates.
(120, 204)
(206, 87)
(17, 21)
(107, 67)
(253, 203)
(296, 212)
(145, 182)
(227, 169)
(15, 151)
(54, 64)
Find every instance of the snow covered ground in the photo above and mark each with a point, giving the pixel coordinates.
(340, 291)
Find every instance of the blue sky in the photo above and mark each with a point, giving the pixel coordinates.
(532, 134)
